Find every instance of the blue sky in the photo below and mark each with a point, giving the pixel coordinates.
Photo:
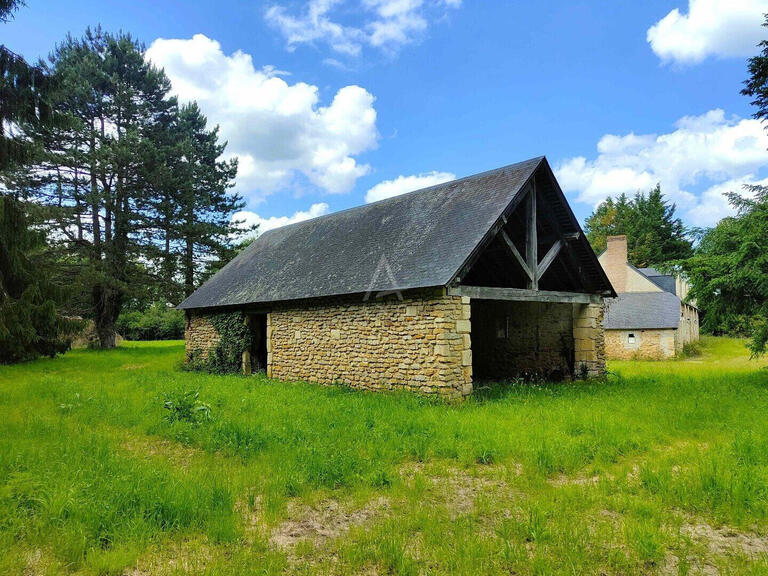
(328, 103)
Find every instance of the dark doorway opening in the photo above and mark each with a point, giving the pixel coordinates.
(529, 340)
(258, 351)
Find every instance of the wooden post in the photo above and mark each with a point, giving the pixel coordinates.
(531, 239)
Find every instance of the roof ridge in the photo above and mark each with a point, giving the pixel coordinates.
(392, 199)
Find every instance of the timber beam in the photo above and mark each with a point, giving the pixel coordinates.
(523, 295)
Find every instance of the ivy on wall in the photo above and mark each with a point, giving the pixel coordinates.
(234, 338)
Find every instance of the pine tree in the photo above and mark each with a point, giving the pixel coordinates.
(756, 86)
(21, 90)
(193, 202)
(92, 172)
(654, 234)
(206, 228)
(138, 197)
(29, 323)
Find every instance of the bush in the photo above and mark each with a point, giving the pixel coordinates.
(158, 322)
(691, 349)
(186, 407)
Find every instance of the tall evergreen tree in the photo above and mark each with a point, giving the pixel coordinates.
(29, 323)
(206, 204)
(138, 197)
(193, 203)
(654, 234)
(92, 171)
(21, 100)
(729, 272)
(756, 86)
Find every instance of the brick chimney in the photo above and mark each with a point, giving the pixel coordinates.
(614, 262)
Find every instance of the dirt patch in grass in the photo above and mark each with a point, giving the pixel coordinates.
(717, 543)
(457, 489)
(154, 447)
(323, 522)
(565, 480)
(250, 510)
(174, 556)
(461, 489)
(134, 366)
(724, 540)
(33, 563)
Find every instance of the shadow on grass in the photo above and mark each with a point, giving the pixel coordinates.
(494, 391)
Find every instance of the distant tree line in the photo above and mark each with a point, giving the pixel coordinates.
(121, 193)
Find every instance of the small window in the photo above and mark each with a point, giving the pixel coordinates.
(631, 338)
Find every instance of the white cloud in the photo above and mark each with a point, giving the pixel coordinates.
(703, 152)
(386, 24)
(403, 184)
(276, 129)
(724, 28)
(250, 218)
(713, 204)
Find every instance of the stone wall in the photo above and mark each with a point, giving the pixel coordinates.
(421, 342)
(589, 340)
(511, 339)
(647, 345)
(200, 336)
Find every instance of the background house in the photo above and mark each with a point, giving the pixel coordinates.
(426, 290)
(650, 317)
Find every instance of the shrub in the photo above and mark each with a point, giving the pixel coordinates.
(691, 349)
(186, 407)
(158, 322)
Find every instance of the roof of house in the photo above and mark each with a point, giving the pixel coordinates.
(642, 311)
(416, 240)
(664, 281)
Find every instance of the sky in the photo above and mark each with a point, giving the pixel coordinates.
(330, 104)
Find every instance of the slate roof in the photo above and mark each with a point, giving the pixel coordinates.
(642, 311)
(664, 281)
(416, 240)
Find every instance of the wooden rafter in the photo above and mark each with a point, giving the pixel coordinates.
(548, 259)
(507, 241)
(567, 249)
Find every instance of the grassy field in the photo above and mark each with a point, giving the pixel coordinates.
(661, 469)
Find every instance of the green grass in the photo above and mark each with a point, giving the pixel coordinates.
(96, 477)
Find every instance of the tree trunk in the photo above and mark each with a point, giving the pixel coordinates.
(107, 302)
(189, 250)
(189, 267)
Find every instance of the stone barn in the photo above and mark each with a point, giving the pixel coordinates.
(487, 277)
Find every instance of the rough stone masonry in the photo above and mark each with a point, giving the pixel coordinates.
(422, 342)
